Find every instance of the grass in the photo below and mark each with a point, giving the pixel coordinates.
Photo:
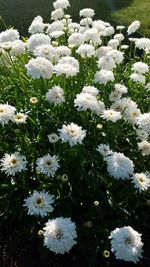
(20, 13)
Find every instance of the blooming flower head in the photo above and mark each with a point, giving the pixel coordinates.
(104, 76)
(72, 133)
(104, 150)
(37, 39)
(9, 35)
(90, 90)
(119, 166)
(45, 50)
(137, 77)
(6, 113)
(59, 235)
(37, 25)
(140, 67)
(141, 181)
(144, 146)
(13, 163)
(134, 26)
(126, 243)
(39, 67)
(86, 101)
(86, 51)
(68, 66)
(87, 12)
(48, 165)
(61, 4)
(111, 115)
(55, 95)
(20, 118)
(39, 203)
(57, 14)
(76, 39)
(144, 122)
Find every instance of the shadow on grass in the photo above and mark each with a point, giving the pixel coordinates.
(20, 13)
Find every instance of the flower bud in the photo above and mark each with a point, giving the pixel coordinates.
(34, 100)
(106, 253)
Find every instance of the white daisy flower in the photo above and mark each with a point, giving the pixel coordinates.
(57, 14)
(86, 51)
(20, 118)
(48, 165)
(87, 12)
(144, 146)
(55, 95)
(111, 115)
(72, 133)
(126, 244)
(90, 90)
(39, 203)
(144, 122)
(13, 163)
(9, 35)
(104, 76)
(36, 40)
(7, 113)
(140, 67)
(133, 27)
(59, 235)
(39, 67)
(141, 181)
(61, 4)
(104, 150)
(68, 66)
(137, 77)
(119, 166)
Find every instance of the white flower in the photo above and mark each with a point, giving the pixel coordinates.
(39, 67)
(39, 203)
(120, 27)
(141, 181)
(46, 50)
(142, 43)
(86, 22)
(59, 235)
(48, 165)
(126, 243)
(56, 34)
(136, 77)
(104, 150)
(13, 163)
(68, 66)
(110, 30)
(102, 51)
(114, 96)
(37, 25)
(76, 39)
(145, 147)
(116, 55)
(90, 90)
(119, 166)
(140, 67)
(55, 95)
(57, 14)
(144, 122)
(9, 35)
(87, 12)
(6, 113)
(134, 26)
(113, 43)
(93, 36)
(86, 51)
(53, 138)
(104, 76)
(62, 50)
(20, 118)
(86, 101)
(121, 88)
(36, 40)
(106, 62)
(111, 115)
(72, 133)
(147, 86)
(119, 37)
(18, 47)
(61, 4)
(141, 134)
(55, 26)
